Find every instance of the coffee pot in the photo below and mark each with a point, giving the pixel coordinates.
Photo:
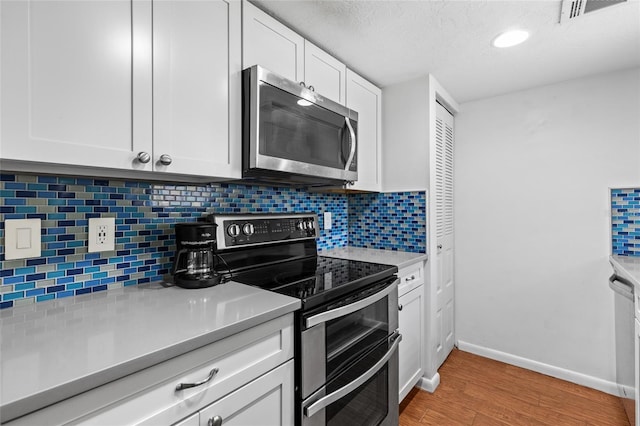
(195, 261)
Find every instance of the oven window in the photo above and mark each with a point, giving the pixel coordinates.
(351, 336)
(308, 134)
(368, 404)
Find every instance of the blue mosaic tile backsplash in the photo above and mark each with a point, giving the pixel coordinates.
(625, 221)
(145, 214)
(388, 221)
(145, 242)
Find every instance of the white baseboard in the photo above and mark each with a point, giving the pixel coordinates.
(549, 370)
(429, 384)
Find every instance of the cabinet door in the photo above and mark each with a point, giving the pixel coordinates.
(366, 100)
(195, 78)
(411, 324)
(325, 73)
(270, 44)
(267, 401)
(70, 70)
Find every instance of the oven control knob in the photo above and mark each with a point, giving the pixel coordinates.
(309, 225)
(301, 225)
(248, 229)
(233, 230)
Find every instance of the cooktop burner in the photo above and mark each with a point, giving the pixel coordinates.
(317, 279)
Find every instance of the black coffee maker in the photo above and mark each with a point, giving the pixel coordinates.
(195, 263)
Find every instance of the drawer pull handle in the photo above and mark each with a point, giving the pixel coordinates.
(400, 307)
(182, 386)
(411, 278)
(215, 421)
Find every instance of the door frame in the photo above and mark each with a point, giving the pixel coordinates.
(436, 93)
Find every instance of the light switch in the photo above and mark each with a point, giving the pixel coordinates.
(22, 238)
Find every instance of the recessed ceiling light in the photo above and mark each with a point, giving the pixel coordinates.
(510, 38)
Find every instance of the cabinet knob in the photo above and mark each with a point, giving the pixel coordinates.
(215, 421)
(143, 157)
(165, 159)
(400, 307)
(439, 246)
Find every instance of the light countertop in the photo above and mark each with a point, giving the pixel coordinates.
(57, 349)
(388, 257)
(627, 267)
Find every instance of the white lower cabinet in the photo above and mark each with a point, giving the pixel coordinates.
(266, 401)
(246, 376)
(411, 324)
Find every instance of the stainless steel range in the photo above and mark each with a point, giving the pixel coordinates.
(347, 329)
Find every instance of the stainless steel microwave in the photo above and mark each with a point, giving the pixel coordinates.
(290, 134)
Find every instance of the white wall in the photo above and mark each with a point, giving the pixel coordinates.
(532, 222)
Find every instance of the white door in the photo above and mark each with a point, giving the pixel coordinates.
(270, 44)
(76, 82)
(267, 401)
(444, 313)
(193, 87)
(411, 325)
(366, 99)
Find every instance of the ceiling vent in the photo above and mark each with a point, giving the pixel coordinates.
(574, 8)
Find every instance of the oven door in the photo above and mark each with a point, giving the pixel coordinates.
(337, 335)
(366, 394)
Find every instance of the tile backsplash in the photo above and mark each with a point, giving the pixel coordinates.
(625, 221)
(389, 221)
(145, 213)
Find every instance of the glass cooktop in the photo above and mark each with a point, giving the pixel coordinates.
(316, 280)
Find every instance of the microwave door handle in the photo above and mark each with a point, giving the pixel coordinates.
(352, 152)
(350, 308)
(323, 402)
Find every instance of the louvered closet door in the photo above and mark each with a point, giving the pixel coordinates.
(444, 234)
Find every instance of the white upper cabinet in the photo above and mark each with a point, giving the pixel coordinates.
(274, 46)
(195, 98)
(366, 100)
(324, 73)
(67, 82)
(268, 43)
(96, 83)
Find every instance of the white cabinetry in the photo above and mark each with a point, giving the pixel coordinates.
(411, 324)
(366, 99)
(92, 84)
(274, 46)
(239, 375)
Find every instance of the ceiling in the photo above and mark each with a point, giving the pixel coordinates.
(391, 41)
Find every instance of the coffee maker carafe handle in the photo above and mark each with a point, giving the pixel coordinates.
(177, 262)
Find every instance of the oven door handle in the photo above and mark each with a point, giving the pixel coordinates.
(323, 402)
(352, 307)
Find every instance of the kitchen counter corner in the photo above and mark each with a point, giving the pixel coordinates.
(55, 350)
(627, 267)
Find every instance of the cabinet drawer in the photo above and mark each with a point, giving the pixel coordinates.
(150, 397)
(410, 277)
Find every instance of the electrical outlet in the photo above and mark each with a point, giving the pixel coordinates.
(102, 232)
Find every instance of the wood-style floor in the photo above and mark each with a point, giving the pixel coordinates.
(478, 391)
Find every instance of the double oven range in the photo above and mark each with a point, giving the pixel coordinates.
(346, 336)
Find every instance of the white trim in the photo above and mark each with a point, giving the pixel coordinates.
(540, 367)
(429, 384)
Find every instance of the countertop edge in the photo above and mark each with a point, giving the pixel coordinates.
(622, 270)
(370, 255)
(47, 397)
